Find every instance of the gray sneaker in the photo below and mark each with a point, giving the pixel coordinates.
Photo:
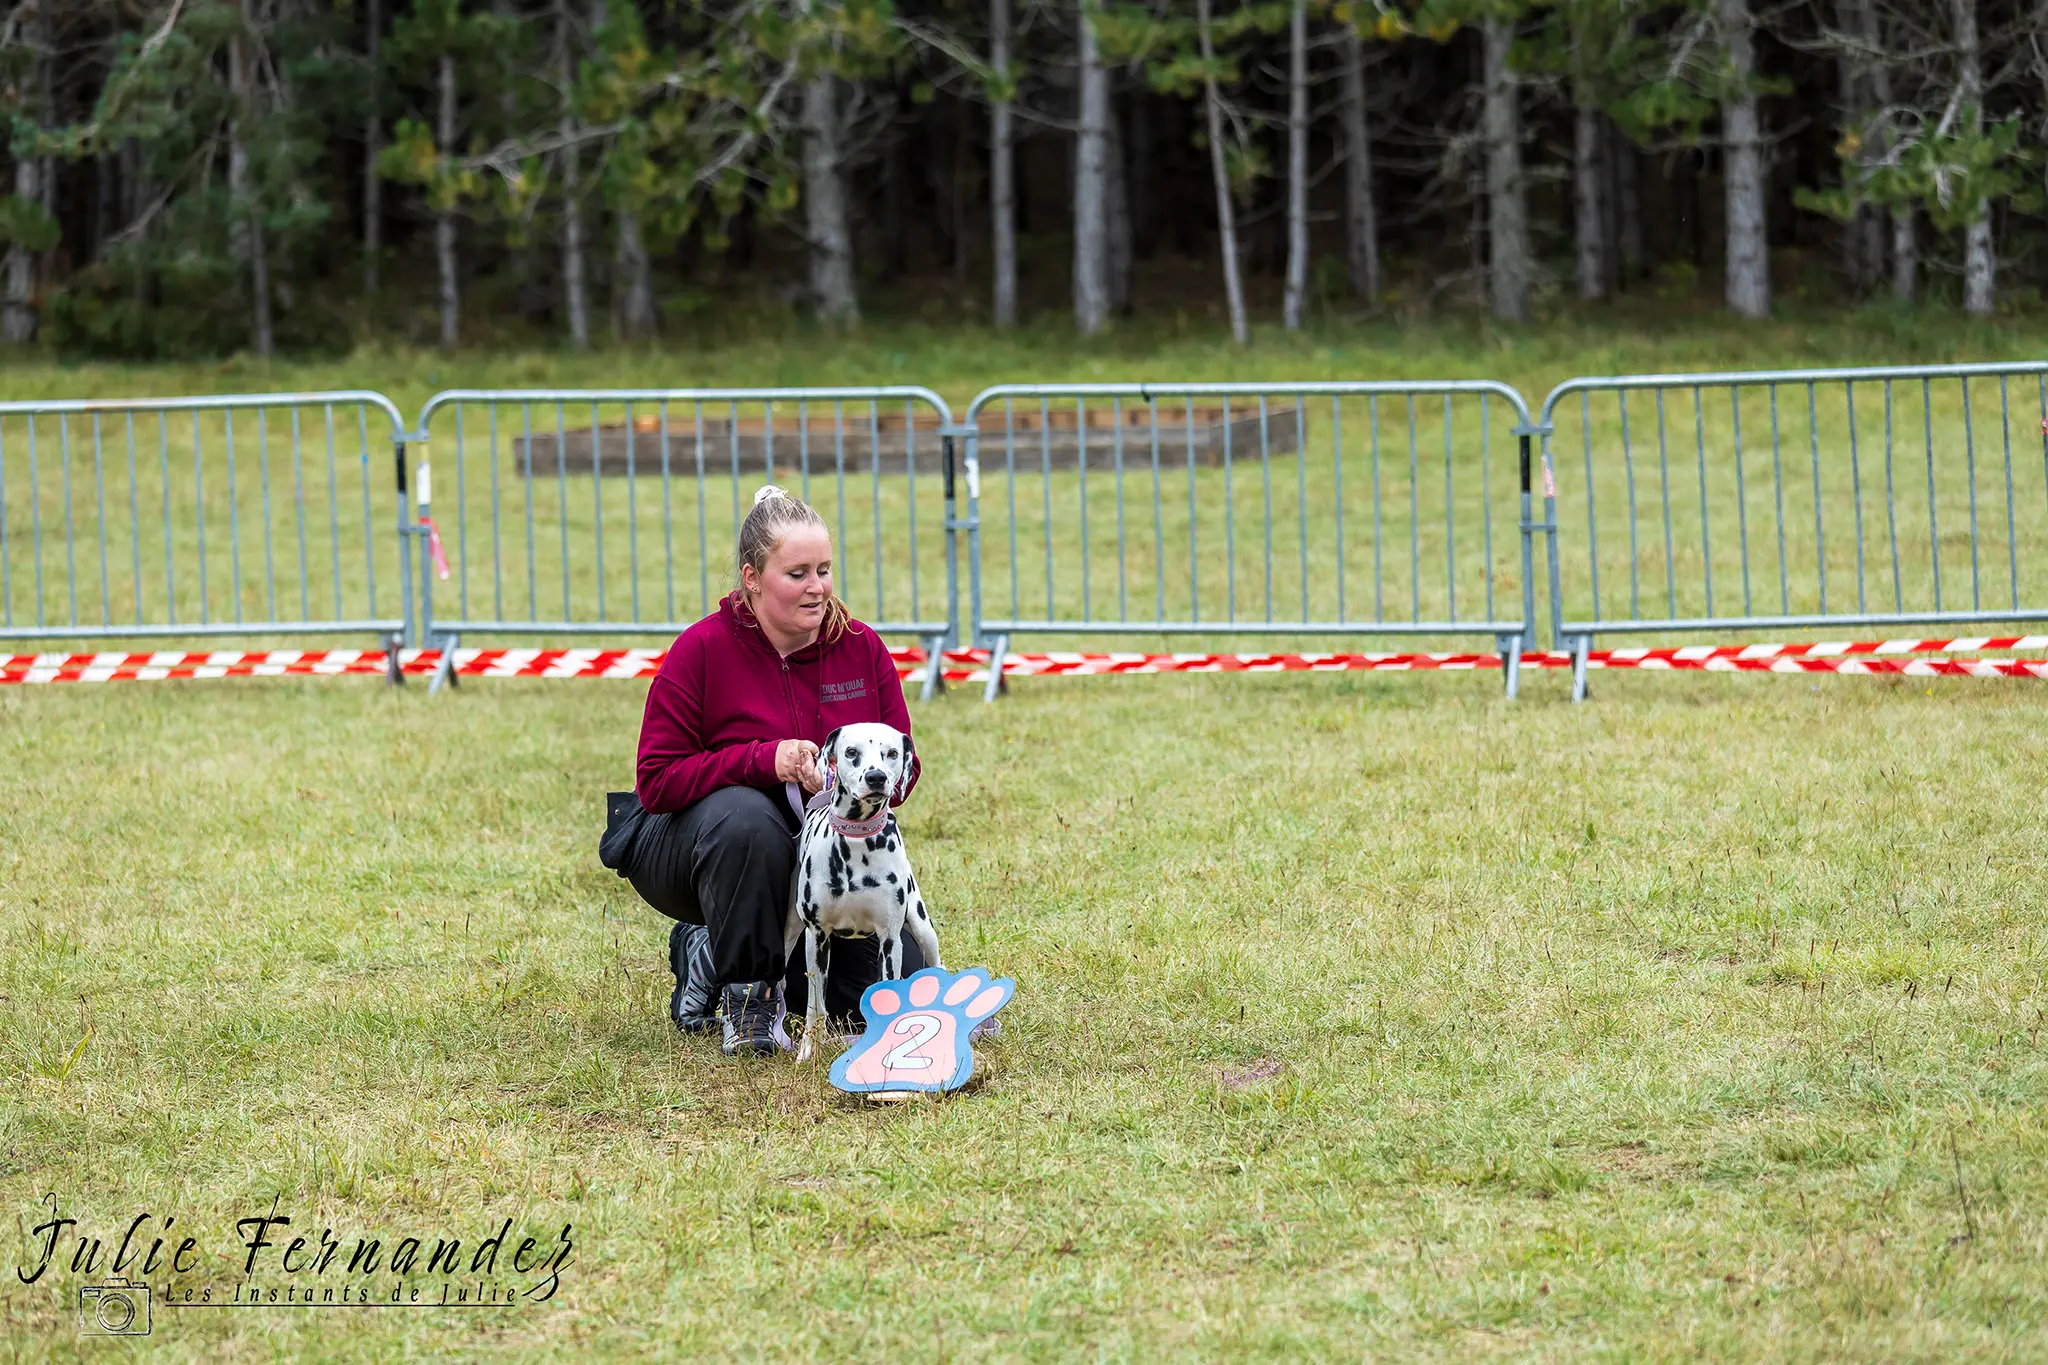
(753, 1013)
(693, 1005)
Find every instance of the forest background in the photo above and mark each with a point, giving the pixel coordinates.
(194, 178)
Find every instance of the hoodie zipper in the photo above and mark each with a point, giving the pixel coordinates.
(789, 700)
(788, 687)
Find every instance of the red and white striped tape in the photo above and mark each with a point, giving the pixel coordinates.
(1865, 657)
(1625, 658)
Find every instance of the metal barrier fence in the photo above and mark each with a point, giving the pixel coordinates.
(1754, 501)
(1787, 499)
(237, 515)
(1221, 510)
(614, 512)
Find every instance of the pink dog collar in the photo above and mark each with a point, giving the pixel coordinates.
(859, 829)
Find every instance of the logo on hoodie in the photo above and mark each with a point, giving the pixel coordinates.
(852, 690)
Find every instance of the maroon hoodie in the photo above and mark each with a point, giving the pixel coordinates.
(724, 699)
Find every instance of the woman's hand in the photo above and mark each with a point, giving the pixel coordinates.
(796, 760)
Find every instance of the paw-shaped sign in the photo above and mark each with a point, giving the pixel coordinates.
(919, 1031)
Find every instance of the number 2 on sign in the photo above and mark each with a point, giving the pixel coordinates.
(905, 1056)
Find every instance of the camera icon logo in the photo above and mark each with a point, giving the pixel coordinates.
(117, 1308)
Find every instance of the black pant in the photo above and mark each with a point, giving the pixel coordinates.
(726, 863)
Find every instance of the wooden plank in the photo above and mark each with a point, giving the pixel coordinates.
(747, 443)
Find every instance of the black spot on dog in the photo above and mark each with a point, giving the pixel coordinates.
(899, 893)
(869, 882)
(891, 878)
(920, 912)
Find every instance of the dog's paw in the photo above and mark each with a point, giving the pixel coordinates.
(918, 1031)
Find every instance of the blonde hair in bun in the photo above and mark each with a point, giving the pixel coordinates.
(776, 512)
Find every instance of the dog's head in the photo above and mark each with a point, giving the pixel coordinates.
(867, 764)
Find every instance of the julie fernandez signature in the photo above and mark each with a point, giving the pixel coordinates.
(156, 1260)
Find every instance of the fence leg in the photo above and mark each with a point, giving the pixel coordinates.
(998, 646)
(934, 667)
(444, 671)
(1510, 647)
(1580, 646)
(405, 547)
(952, 563)
(394, 670)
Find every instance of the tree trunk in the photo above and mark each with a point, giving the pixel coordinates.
(1905, 255)
(1361, 223)
(1297, 168)
(47, 174)
(132, 196)
(1138, 170)
(1872, 225)
(1749, 258)
(238, 155)
(245, 223)
(632, 273)
(259, 285)
(444, 221)
(634, 279)
(1116, 184)
(1610, 202)
(1857, 264)
(575, 262)
(259, 249)
(1980, 266)
(575, 253)
(1874, 97)
(892, 210)
(18, 320)
(962, 188)
(528, 299)
(825, 214)
(373, 143)
(938, 146)
(100, 223)
(1226, 211)
(1628, 203)
(1589, 214)
(1905, 245)
(1507, 224)
(1091, 186)
(1002, 171)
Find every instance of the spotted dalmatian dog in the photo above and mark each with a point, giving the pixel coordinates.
(853, 875)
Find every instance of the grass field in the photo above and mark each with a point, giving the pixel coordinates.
(1359, 1017)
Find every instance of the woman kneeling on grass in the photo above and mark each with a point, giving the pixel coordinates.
(728, 750)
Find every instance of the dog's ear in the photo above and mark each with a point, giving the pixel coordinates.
(828, 754)
(902, 788)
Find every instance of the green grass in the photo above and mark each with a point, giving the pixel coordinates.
(1644, 335)
(1358, 1016)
